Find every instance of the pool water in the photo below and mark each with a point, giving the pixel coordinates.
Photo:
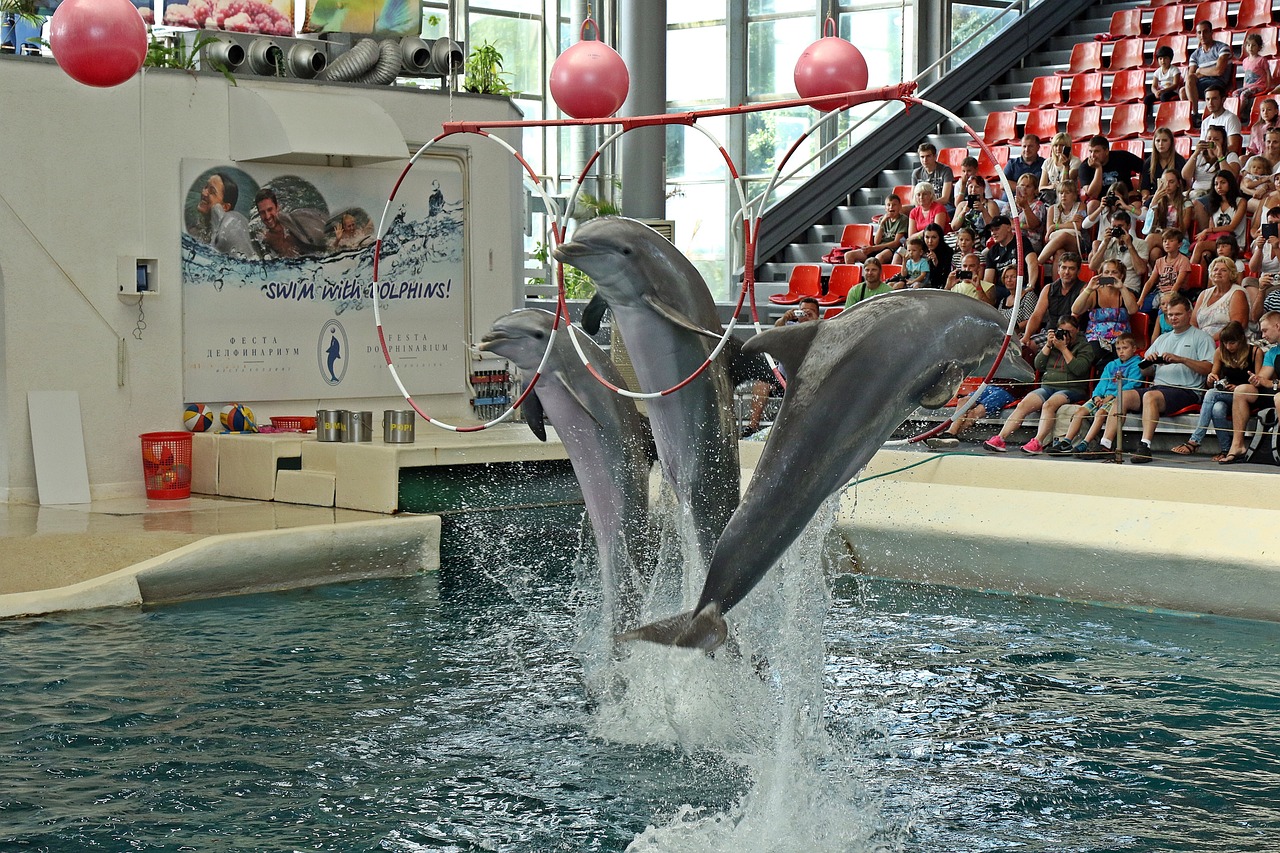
(457, 713)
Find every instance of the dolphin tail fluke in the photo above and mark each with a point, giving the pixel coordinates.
(703, 629)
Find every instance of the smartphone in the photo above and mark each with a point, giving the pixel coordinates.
(1270, 229)
(1104, 280)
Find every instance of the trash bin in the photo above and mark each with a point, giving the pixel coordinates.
(166, 464)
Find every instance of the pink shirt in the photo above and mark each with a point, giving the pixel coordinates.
(922, 217)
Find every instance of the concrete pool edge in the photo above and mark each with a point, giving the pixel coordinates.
(251, 562)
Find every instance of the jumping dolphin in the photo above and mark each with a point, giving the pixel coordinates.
(668, 321)
(853, 380)
(604, 436)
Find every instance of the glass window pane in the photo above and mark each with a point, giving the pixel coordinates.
(690, 154)
(772, 50)
(435, 22)
(696, 60)
(699, 213)
(770, 134)
(520, 43)
(528, 7)
(967, 20)
(765, 7)
(880, 39)
(689, 11)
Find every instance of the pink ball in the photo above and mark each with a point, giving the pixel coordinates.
(98, 42)
(589, 80)
(830, 66)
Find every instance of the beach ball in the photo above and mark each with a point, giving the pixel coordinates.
(197, 417)
(589, 80)
(830, 66)
(237, 417)
(98, 42)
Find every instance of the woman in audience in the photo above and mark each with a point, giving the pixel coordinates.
(1163, 158)
(1233, 361)
(1220, 212)
(1223, 301)
(1108, 303)
(1058, 167)
(939, 255)
(974, 210)
(1030, 210)
(1169, 207)
(927, 211)
(1211, 157)
(1062, 224)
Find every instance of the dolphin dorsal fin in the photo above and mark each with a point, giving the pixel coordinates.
(676, 316)
(787, 344)
(939, 393)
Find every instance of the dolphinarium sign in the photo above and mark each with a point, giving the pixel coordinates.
(277, 278)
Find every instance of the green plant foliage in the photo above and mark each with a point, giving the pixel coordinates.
(577, 284)
(161, 54)
(25, 9)
(484, 71)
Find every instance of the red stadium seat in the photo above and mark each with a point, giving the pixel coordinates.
(1085, 273)
(1253, 13)
(1085, 57)
(1045, 92)
(1136, 147)
(1128, 120)
(1167, 20)
(1127, 54)
(1213, 11)
(906, 192)
(806, 280)
(1175, 115)
(1043, 123)
(888, 271)
(843, 278)
(1155, 4)
(1084, 123)
(856, 235)
(1195, 278)
(1001, 128)
(1182, 144)
(832, 312)
(1085, 89)
(1127, 23)
(1141, 325)
(952, 158)
(1176, 42)
(1127, 87)
(989, 168)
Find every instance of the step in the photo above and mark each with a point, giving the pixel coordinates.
(804, 253)
(313, 488)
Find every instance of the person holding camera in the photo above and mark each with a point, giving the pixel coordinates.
(1216, 114)
(974, 210)
(1055, 299)
(1117, 243)
(1210, 158)
(1063, 364)
(968, 280)
(807, 310)
(1182, 358)
(1109, 304)
(1264, 265)
(1060, 166)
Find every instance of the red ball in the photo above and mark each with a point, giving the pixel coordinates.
(98, 42)
(589, 80)
(830, 66)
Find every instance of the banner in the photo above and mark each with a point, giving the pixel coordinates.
(277, 266)
(273, 18)
(365, 17)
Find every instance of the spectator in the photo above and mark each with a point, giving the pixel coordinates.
(1108, 173)
(1168, 275)
(968, 171)
(1208, 65)
(1225, 247)
(1166, 81)
(968, 280)
(1055, 299)
(992, 399)
(807, 310)
(1217, 115)
(1259, 392)
(931, 171)
(872, 284)
(1030, 163)
(1003, 249)
(1264, 265)
(755, 369)
(974, 210)
(1030, 210)
(916, 266)
(1268, 119)
(1210, 158)
(1063, 363)
(966, 244)
(1004, 293)
(1161, 159)
(1120, 378)
(1169, 207)
(1060, 166)
(1117, 242)
(1223, 301)
(1109, 304)
(1220, 212)
(1255, 183)
(1064, 218)
(891, 233)
(1233, 363)
(927, 211)
(1182, 357)
(1257, 73)
(938, 254)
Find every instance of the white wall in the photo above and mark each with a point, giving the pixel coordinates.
(87, 175)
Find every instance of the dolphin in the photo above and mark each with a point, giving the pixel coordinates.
(853, 380)
(603, 434)
(666, 316)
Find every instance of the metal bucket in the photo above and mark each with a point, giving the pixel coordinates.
(330, 424)
(398, 426)
(359, 426)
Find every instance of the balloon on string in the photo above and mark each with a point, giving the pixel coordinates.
(589, 80)
(98, 42)
(830, 66)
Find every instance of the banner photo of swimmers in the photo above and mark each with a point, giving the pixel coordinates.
(273, 18)
(384, 17)
(277, 268)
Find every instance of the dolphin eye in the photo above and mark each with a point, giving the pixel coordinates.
(626, 250)
(539, 335)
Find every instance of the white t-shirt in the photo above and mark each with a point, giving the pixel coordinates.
(1228, 121)
(1165, 79)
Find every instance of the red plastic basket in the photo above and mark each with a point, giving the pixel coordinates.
(301, 423)
(166, 464)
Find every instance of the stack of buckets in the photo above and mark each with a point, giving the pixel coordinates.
(344, 425)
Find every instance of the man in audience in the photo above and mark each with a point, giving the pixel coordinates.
(1258, 393)
(1055, 299)
(807, 310)
(1105, 172)
(968, 279)
(1183, 358)
(1217, 115)
(1030, 163)
(1118, 242)
(1002, 252)
(934, 172)
(1207, 65)
(872, 284)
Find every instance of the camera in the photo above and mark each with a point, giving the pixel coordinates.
(1221, 385)
(899, 277)
(1060, 334)
(963, 275)
(1104, 280)
(1118, 231)
(973, 200)
(1150, 362)
(1110, 199)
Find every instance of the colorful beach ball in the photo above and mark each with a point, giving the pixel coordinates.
(237, 417)
(197, 418)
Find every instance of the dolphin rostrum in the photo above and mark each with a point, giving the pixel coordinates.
(852, 381)
(603, 434)
(669, 324)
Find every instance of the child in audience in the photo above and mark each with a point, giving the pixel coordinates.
(1120, 378)
(1255, 183)
(1257, 74)
(1233, 361)
(916, 267)
(1169, 274)
(1166, 81)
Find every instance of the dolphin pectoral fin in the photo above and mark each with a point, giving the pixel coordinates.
(703, 629)
(787, 344)
(533, 415)
(678, 317)
(592, 314)
(937, 395)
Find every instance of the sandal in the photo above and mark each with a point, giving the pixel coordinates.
(1187, 448)
(1232, 458)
